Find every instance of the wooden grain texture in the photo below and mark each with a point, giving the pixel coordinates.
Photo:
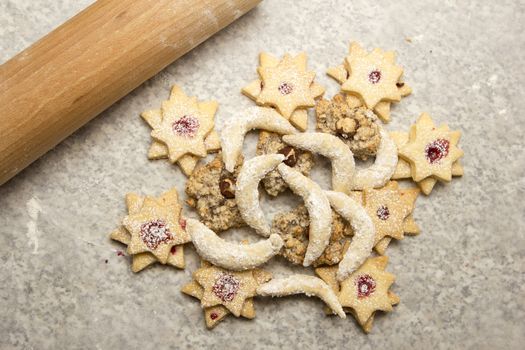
(68, 77)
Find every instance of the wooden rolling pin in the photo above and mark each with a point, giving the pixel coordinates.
(68, 77)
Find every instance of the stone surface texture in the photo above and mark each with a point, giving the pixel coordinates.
(461, 282)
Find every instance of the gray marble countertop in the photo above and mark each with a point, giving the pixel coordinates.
(461, 282)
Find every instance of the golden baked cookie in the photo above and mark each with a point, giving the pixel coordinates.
(140, 261)
(356, 126)
(431, 150)
(182, 130)
(404, 171)
(211, 191)
(214, 314)
(342, 74)
(158, 150)
(156, 227)
(293, 227)
(303, 161)
(227, 288)
(389, 207)
(365, 292)
(299, 116)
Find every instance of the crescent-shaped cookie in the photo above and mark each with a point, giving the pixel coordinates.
(302, 284)
(343, 164)
(232, 135)
(378, 174)
(231, 256)
(247, 190)
(364, 232)
(318, 208)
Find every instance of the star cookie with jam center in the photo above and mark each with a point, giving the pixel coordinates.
(388, 208)
(286, 85)
(214, 314)
(409, 226)
(431, 150)
(404, 171)
(185, 124)
(188, 162)
(156, 228)
(368, 279)
(142, 260)
(342, 74)
(230, 289)
(373, 77)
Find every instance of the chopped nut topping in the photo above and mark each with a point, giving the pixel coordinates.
(290, 154)
(227, 187)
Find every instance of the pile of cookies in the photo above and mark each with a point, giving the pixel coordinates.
(343, 232)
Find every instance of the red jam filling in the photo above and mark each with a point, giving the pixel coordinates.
(374, 76)
(437, 150)
(226, 287)
(154, 233)
(285, 88)
(383, 213)
(187, 126)
(366, 285)
(173, 250)
(214, 316)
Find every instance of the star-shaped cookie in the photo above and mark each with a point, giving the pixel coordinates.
(431, 150)
(410, 227)
(230, 289)
(404, 171)
(158, 150)
(389, 207)
(184, 125)
(342, 74)
(364, 292)
(156, 227)
(140, 261)
(214, 314)
(285, 94)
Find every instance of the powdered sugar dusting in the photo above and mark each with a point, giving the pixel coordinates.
(226, 286)
(343, 164)
(383, 168)
(318, 208)
(154, 233)
(247, 190)
(229, 255)
(187, 126)
(302, 284)
(232, 135)
(364, 232)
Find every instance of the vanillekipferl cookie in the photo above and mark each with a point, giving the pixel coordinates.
(247, 190)
(232, 135)
(232, 256)
(318, 209)
(343, 164)
(302, 284)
